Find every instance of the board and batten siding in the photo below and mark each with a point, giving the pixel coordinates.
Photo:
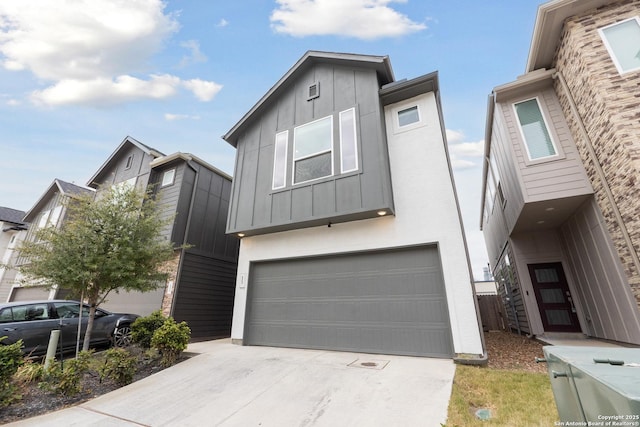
(257, 208)
(559, 177)
(606, 299)
(170, 198)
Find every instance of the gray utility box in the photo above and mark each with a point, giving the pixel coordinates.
(595, 385)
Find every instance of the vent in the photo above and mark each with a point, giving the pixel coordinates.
(313, 91)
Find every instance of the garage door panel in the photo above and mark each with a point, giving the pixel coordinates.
(380, 302)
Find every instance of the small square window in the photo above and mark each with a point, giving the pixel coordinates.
(168, 177)
(623, 43)
(408, 116)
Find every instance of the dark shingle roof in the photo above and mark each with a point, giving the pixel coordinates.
(12, 215)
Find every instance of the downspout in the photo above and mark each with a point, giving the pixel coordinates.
(185, 238)
(599, 171)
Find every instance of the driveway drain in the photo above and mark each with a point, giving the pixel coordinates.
(369, 364)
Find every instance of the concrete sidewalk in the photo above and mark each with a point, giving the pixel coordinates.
(230, 385)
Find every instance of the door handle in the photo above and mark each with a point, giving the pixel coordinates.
(9, 329)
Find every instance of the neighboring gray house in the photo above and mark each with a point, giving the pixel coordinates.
(48, 211)
(561, 188)
(200, 289)
(344, 199)
(13, 229)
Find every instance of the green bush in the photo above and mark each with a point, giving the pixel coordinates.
(143, 328)
(171, 339)
(119, 366)
(66, 381)
(10, 360)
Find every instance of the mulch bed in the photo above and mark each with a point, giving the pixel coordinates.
(514, 352)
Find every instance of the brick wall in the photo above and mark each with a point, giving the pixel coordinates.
(609, 106)
(171, 268)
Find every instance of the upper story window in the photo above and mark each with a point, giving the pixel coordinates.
(408, 116)
(534, 130)
(280, 160)
(312, 150)
(168, 177)
(622, 40)
(129, 162)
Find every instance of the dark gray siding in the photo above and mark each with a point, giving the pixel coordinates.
(171, 204)
(256, 208)
(204, 296)
(389, 302)
(119, 172)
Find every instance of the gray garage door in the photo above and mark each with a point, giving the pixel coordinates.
(389, 302)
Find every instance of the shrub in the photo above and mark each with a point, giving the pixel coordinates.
(29, 372)
(66, 381)
(143, 328)
(171, 339)
(10, 360)
(119, 366)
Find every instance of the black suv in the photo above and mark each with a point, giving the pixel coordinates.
(33, 321)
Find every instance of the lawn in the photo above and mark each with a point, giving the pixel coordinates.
(514, 397)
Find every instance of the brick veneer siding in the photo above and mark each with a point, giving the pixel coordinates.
(609, 106)
(171, 268)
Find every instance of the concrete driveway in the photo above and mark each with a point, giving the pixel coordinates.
(230, 385)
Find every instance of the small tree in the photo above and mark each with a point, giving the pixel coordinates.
(108, 243)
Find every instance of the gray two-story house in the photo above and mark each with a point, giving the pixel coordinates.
(344, 200)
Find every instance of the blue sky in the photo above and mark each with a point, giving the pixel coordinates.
(78, 76)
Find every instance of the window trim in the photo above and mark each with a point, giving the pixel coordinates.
(558, 153)
(129, 162)
(173, 178)
(609, 47)
(330, 150)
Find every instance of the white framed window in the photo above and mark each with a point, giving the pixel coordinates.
(168, 177)
(280, 160)
(408, 116)
(622, 40)
(44, 219)
(534, 130)
(55, 215)
(348, 141)
(313, 150)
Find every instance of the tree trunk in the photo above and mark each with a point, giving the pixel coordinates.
(87, 334)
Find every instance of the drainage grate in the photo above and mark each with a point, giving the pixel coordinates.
(369, 364)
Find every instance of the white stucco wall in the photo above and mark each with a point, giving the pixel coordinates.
(426, 212)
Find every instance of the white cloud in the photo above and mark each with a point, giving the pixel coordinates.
(89, 51)
(463, 154)
(363, 19)
(172, 117)
(203, 90)
(222, 23)
(195, 54)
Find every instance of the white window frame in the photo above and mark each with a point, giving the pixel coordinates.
(356, 165)
(330, 150)
(129, 162)
(557, 153)
(610, 48)
(282, 138)
(167, 182)
(401, 110)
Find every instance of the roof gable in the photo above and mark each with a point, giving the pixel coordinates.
(57, 186)
(11, 215)
(113, 158)
(380, 64)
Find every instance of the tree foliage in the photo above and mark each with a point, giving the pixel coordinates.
(108, 243)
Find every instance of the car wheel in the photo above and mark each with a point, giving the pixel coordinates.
(122, 336)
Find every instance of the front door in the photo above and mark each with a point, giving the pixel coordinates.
(554, 298)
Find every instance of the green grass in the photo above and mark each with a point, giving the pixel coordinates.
(515, 398)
